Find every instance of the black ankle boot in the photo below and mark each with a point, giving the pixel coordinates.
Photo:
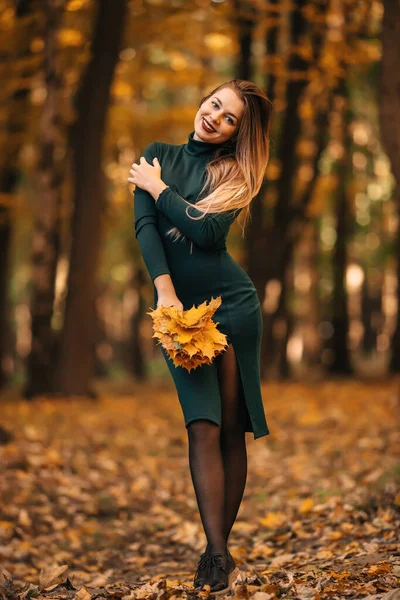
(218, 571)
(230, 566)
(202, 570)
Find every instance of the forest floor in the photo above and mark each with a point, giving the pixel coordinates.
(97, 499)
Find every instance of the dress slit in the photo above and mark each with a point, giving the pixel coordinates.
(249, 425)
(241, 389)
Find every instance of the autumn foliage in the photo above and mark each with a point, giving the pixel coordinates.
(190, 337)
(97, 500)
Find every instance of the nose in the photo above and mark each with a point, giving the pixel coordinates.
(215, 115)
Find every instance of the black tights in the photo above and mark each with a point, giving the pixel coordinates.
(218, 458)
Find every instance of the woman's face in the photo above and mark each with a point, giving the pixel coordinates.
(223, 111)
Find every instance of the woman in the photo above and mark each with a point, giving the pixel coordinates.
(220, 169)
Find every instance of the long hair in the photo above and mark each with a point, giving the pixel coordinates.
(235, 174)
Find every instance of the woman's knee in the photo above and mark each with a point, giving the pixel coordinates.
(233, 429)
(203, 431)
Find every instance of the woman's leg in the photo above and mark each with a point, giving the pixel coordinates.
(207, 471)
(218, 457)
(233, 442)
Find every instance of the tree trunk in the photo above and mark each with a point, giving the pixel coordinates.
(390, 130)
(314, 355)
(340, 319)
(256, 239)
(245, 27)
(7, 182)
(371, 313)
(16, 124)
(272, 46)
(284, 232)
(278, 236)
(46, 237)
(76, 357)
(136, 358)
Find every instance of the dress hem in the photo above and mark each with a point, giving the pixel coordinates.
(207, 418)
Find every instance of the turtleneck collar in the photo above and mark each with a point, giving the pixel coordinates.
(197, 148)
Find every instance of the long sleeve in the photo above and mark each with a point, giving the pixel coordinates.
(204, 232)
(146, 229)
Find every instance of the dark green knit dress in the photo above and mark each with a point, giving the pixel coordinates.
(201, 267)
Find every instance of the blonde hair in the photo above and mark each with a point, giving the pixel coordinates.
(237, 170)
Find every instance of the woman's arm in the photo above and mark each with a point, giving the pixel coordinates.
(146, 230)
(149, 239)
(205, 231)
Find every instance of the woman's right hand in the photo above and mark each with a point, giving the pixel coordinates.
(169, 300)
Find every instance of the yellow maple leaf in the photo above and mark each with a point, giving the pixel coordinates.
(185, 335)
(274, 519)
(306, 506)
(191, 349)
(190, 337)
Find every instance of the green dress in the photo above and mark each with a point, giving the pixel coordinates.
(201, 268)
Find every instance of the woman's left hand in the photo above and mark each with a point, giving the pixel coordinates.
(144, 174)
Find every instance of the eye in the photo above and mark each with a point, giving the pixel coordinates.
(230, 119)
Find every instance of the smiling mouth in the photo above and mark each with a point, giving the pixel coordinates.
(207, 126)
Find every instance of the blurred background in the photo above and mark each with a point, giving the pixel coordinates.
(87, 85)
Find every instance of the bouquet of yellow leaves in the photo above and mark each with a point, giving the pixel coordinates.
(190, 337)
